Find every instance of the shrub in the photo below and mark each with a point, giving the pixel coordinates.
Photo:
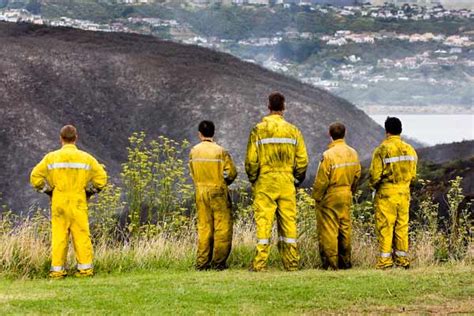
(148, 222)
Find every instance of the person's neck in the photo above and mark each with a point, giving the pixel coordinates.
(207, 139)
(276, 113)
(64, 144)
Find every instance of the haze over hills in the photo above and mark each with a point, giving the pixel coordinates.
(110, 85)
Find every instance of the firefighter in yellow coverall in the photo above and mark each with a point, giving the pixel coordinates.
(392, 171)
(212, 170)
(69, 176)
(276, 161)
(336, 181)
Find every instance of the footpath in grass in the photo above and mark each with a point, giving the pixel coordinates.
(442, 289)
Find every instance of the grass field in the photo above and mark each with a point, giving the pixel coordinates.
(439, 289)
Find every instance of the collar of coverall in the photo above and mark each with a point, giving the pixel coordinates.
(394, 137)
(69, 146)
(207, 139)
(336, 142)
(273, 116)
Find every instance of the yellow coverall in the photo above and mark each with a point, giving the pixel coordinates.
(392, 170)
(276, 160)
(212, 170)
(68, 173)
(336, 181)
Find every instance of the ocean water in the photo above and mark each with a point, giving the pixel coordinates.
(433, 129)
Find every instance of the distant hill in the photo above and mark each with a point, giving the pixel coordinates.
(110, 85)
(442, 163)
(447, 152)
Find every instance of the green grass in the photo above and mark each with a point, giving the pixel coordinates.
(442, 289)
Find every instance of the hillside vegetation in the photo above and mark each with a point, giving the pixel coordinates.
(149, 222)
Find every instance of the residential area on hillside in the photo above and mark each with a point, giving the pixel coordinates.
(425, 66)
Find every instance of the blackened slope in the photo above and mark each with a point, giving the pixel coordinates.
(110, 85)
(447, 152)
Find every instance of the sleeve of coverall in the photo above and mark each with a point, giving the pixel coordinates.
(190, 165)
(321, 182)
(301, 159)
(376, 170)
(413, 171)
(252, 165)
(230, 172)
(356, 178)
(38, 175)
(99, 176)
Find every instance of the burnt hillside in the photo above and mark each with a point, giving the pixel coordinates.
(447, 152)
(110, 85)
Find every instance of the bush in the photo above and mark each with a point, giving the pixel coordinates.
(148, 222)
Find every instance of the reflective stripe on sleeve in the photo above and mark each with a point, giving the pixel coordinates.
(288, 240)
(206, 160)
(56, 269)
(346, 164)
(84, 266)
(69, 165)
(385, 254)
(263, 241)
(264, 141)
(400, 253)
(398, 159)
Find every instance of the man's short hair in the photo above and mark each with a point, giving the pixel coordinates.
(276, 101)
(68, 134)
(337, 130)
(393, 125)
(207, 128)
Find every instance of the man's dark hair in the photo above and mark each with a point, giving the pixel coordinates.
(393, 126)
(68, 134)
(207, 128)
(276, 101)
(337, 130)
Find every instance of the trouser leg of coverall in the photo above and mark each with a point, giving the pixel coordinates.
(82, 240)
(385, 218)
(205, 225)
(334, 229)
(344, 240)
(275, 191)
(286, 220)
(400, 238)
(221, 209)
(265, 207)
(59, 241)
(327, 233)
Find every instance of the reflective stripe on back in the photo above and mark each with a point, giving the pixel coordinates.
(69, 165)
(398, 159)
(346, 164)
(264, 141)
